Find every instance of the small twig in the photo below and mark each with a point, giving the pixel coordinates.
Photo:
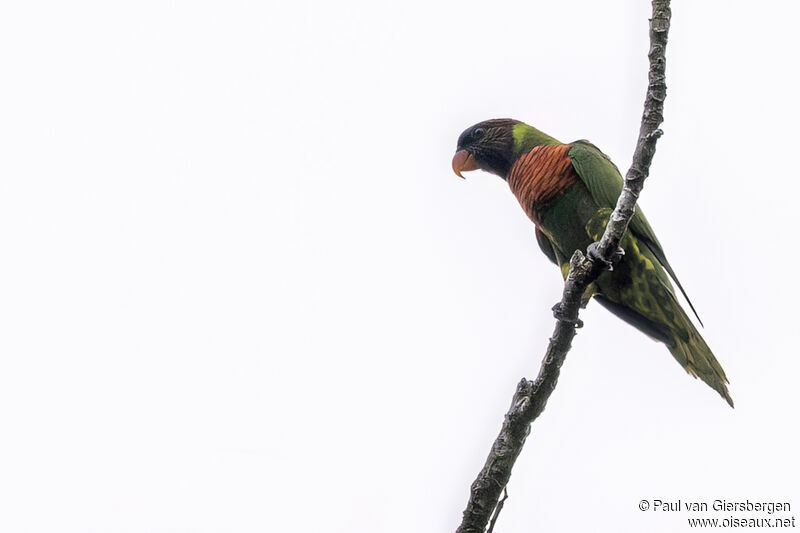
(530, 398)
(497, 510)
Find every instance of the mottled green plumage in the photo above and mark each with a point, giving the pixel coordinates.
(639, 289)
(601, 176)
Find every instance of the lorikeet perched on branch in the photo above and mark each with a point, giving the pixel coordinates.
(569, 192)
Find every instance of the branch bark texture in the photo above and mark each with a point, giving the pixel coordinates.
(531, 397)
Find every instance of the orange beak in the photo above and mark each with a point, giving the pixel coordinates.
(463, 162)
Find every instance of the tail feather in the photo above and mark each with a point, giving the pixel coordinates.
(682, 339)
(697, 359)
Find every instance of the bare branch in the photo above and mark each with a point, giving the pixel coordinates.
(531, 396)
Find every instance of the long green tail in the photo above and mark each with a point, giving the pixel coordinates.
(696, 357)
(639, 291)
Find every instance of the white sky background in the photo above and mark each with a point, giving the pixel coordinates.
(242, 291)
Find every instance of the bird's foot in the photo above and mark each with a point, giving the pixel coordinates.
(593, 254)
(560, 315)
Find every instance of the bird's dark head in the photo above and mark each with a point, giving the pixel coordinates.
(488, 145)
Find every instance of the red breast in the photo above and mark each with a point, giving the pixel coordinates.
(539, 176)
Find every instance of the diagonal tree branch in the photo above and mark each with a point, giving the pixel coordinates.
(531, 397)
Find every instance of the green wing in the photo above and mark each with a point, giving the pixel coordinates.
(547, 247)
(601, 176)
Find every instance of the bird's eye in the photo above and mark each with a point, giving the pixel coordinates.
(478, 132)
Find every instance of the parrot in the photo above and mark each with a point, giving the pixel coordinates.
(569, 192)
